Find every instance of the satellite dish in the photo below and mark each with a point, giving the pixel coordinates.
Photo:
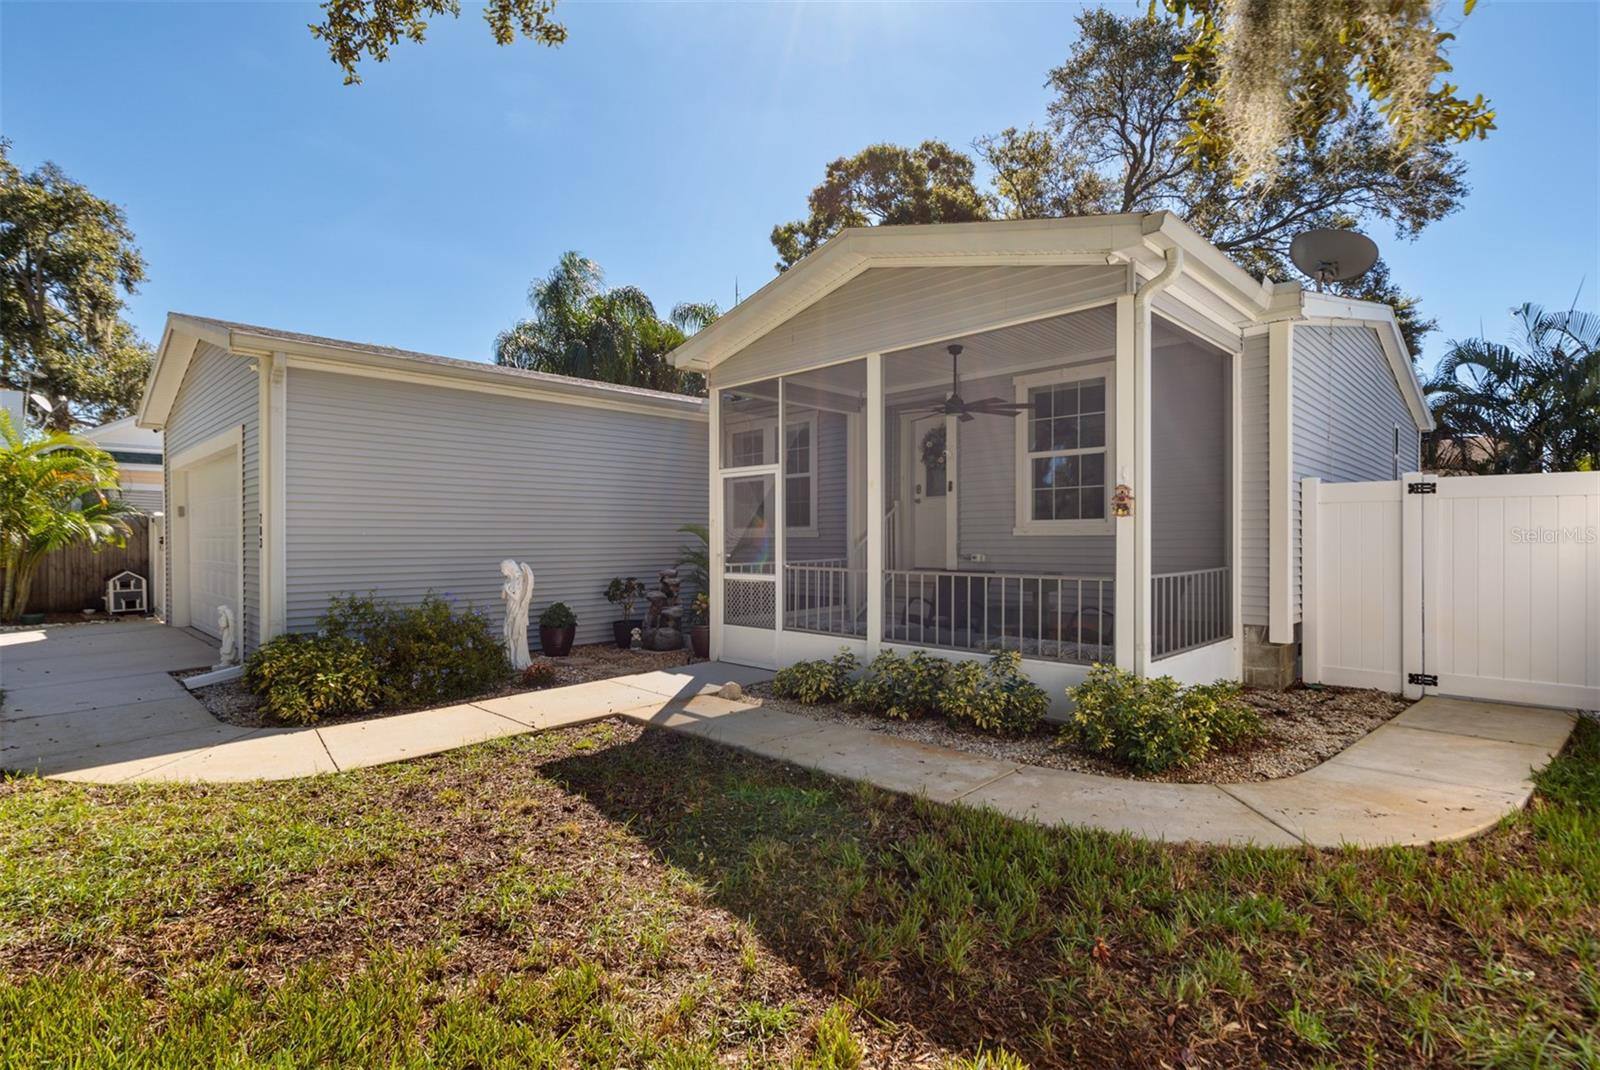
(1332, 255)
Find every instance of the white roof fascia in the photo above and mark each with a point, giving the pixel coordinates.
(184, 334)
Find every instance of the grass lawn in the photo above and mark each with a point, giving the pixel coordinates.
(612, 896)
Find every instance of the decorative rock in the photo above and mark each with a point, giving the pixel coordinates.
(731, 691)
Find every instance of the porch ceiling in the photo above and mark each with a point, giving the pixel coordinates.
(1073, 338)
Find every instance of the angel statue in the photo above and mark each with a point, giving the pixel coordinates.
(225, 652)
(517, 593)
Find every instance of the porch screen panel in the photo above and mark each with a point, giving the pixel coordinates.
(824, 489)
(749, 593)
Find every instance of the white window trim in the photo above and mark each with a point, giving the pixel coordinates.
(768, 426)
(1025, 524)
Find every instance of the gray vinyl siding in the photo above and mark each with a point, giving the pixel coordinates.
(401, 488)
(1347, 405)
(145, 499)
(891, 308)
(1189, 459)
(1254, 491)
(986, 460)
(219, 392)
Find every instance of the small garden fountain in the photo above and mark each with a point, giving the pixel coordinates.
(663, 627)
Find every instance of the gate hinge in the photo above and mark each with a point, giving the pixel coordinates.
(1422, 488)
(1422, 679)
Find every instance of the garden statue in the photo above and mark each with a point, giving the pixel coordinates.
(225, 654)
(662, 629)
(517, 593)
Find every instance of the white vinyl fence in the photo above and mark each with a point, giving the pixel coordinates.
(1479, 586)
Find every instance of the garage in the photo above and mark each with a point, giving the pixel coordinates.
(213, 537)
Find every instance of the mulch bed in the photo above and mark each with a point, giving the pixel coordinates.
(1305, 727)
(232, 704)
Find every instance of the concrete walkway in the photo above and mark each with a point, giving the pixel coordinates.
(95, 703)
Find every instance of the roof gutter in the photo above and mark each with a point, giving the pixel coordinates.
(1155, 284)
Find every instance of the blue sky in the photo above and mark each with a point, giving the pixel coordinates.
(662, 140)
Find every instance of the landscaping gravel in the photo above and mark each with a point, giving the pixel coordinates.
(1305, 727)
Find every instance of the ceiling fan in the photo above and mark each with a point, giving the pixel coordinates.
(963, 410)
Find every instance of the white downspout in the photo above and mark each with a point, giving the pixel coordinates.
(1142, 481)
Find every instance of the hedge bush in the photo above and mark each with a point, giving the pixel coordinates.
(1154, 724)
(813, 682)
(993, 696)
(304, 678)
(425, 654)
(904, 688)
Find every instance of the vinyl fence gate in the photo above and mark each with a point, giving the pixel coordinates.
(1477, 586)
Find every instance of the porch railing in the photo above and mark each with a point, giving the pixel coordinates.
(1189, 610)
(1055, 618)
(825, 597)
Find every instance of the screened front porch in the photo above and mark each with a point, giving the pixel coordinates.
(981, 473)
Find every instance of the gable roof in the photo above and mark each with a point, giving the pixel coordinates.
(1139, 240)
(184, 333)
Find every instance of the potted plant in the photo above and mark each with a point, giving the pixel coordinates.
(624, 593)
(700, 625)
(557, 625)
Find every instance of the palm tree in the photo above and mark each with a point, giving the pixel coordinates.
(55, 490)
(582, 328)
(1532, 405)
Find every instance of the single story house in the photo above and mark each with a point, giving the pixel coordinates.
(298, 468)
(1082, 439)
(137, 451)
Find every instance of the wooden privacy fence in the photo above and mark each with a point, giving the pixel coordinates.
(75, 578)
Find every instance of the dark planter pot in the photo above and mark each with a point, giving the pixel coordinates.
(556, 642)
(30, 619)
(622, 630)
(700, 639)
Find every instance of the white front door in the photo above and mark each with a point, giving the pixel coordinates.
(929, 475)
(214, 540)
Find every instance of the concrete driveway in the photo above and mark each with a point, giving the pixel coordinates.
(93, 695)
(97, 703)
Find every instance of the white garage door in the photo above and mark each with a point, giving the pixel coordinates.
(214, 541)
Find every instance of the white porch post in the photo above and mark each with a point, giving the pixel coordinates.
(1280, 470)
(714, 524)
(875, 504)
(1126, 623)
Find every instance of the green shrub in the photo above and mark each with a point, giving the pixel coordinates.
(814, 682)
(904, 688)
(1155, 724)
(993, 696)
(425, 654)
(558, 615)
(304, 678)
